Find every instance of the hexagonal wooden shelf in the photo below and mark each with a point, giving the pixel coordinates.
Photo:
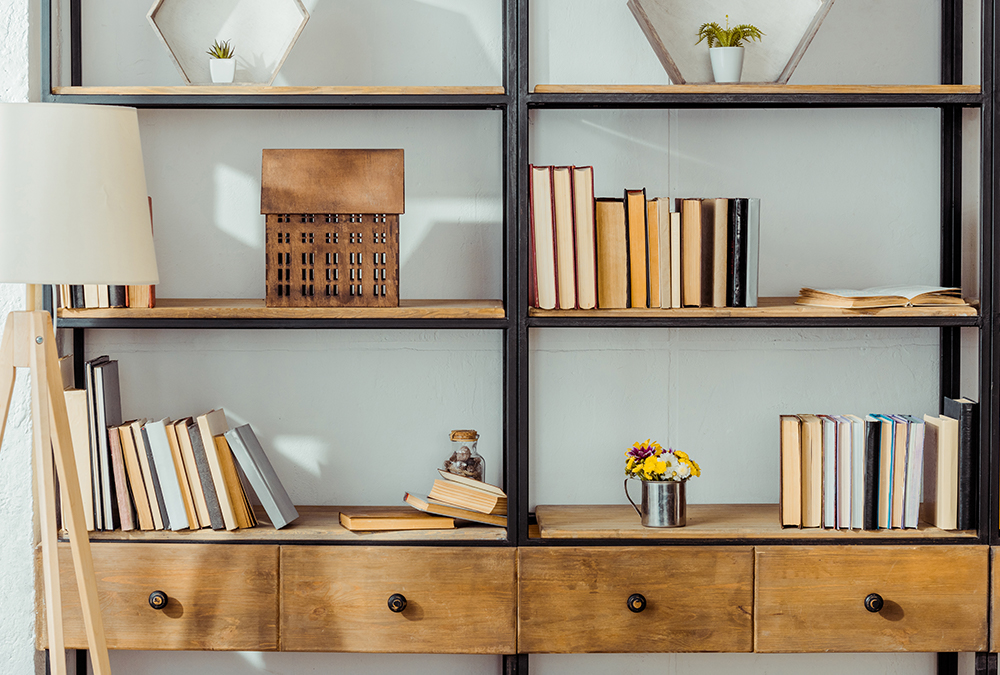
(262, 32)
(671, 26)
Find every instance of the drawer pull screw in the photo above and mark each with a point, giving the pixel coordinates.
(397, 603)
(874, 602)
(636, 602)
(158, 599)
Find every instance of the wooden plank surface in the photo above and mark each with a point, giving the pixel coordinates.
(811, 598)
(257, 90)
(704, 521)
(768, 307)
(574, 600)
(315, 523)
(749, 88)
(253, 308)
(458, 600)
(219, 597)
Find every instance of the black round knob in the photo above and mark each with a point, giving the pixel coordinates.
(636, 602)
(397, 603)
(158, 599)
(874, 602)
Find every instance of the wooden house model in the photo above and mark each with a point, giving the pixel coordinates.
(332, 227)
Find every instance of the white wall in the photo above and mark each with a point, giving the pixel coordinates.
(850, 198)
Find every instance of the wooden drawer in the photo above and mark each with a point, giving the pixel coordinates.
(995, 599)
(219, 597)
(573, 600)
(812, 598)
(458, 600)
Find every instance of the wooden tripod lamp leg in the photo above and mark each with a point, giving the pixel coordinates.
(46, 372)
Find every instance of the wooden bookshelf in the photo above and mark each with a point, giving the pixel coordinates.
(258, 90)
(315, 523)
(213, 308)
(767, 307)
(760, 88)
(706, 521)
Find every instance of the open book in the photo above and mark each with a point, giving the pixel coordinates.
(885, 296)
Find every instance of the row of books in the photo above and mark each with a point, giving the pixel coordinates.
(97, 296)
(163, 475)
(636, 252)
(879, 472)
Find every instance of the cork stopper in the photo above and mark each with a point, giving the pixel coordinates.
(464, 435)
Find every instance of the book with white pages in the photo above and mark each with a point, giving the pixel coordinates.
(166, 473)
(844, 451)
(857, 472)
(914, 472)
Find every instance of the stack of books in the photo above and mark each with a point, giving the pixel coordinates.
(462, 498)
(879, 472)
(162, 474)
(636, 252)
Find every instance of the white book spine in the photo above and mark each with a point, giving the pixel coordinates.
(857, 472)
(844, 473)
(166, 472)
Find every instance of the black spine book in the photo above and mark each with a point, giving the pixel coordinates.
(116, 296)
(967, 414)
(736, 291)
(156, 479)
(77, 298)
(873, 438)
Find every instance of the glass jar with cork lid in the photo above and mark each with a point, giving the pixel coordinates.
(465, 460)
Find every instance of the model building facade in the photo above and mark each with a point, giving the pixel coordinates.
(332, 227)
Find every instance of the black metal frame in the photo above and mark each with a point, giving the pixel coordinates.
(515, 106)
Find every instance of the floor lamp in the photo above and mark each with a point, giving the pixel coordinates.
(73, 210)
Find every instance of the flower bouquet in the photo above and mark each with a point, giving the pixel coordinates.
(664, 474)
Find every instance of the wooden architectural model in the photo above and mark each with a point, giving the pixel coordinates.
(332, 227)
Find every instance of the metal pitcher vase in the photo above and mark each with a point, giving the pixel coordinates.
(664, 503)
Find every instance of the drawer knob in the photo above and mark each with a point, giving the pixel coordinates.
(397, 602)
(158, 599)
(636, 602)
(874, 602)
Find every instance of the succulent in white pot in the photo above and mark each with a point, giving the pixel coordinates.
(222, 63)
(725, 47)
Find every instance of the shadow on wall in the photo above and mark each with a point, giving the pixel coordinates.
(451, 261)
(391, 43)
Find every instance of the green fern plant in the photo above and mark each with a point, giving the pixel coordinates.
(221, 50)
(717, 36)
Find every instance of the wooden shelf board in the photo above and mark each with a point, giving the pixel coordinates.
(315, 523)
(704, 521)
(761, 88)
(257, 90)
(767, 307)
(212, 308)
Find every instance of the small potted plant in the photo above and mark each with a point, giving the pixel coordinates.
(725, 47)
(222, 63)
(663, 474)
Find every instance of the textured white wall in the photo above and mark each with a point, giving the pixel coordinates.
(851, 199)
(17, 596)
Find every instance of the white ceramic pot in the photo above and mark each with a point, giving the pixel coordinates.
(727, 63)
(223, 70)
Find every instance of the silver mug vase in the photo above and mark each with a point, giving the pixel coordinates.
(664, 503)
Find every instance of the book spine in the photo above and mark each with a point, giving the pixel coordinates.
(205, 476)
(873, 440)
(966, 413)
(117, 296)
(155, 479)
(753, 251)
(126, 512)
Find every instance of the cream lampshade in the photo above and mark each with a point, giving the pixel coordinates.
(73, 199)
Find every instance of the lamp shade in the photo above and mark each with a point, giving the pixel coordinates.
(73, 201)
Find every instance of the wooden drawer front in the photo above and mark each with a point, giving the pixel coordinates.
(219, 597)
(458, 600)
(573, 600)
(812, 598)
